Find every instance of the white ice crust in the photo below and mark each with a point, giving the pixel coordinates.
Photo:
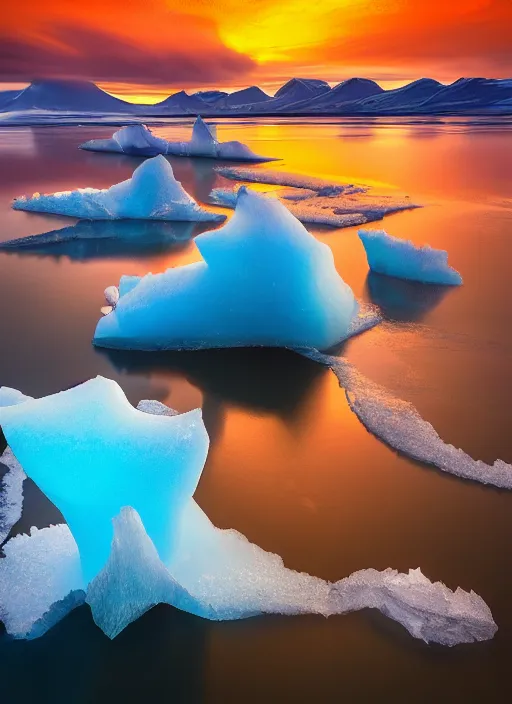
(315, 200)
(399, 424)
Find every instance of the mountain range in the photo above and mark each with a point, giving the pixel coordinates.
(299, 96)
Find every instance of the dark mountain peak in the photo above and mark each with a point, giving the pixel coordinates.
(313, 85)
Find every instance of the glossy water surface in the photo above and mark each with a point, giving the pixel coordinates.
(290, 466)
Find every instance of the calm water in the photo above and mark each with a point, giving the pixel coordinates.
(290, 466)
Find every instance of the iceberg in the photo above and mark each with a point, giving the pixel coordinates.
(264, 281)
(152, 193)
(399, 425)
(404, 260)
(92, 482)
(315, 200)
(139, 140)
(213, 573)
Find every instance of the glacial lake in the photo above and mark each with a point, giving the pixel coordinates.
(290, 466)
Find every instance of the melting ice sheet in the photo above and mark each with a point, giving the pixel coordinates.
(152, 193)
(139, 140)
(315, 200)
(213, 573)
(399, 424)
(404, 260)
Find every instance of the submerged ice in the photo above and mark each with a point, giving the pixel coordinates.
(264, 280)
(139, 140)
(89, 239)
(151, 193)
(404, 260)
(213, 573)
(315, 200)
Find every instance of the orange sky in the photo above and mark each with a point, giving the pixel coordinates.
(145, 49)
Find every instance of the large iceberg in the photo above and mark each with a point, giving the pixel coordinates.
(264, 281)
(152, 193)
(91, 481)
(216, 574)
(405, 260)
(399, 424)
(315, 200)
(139, 140)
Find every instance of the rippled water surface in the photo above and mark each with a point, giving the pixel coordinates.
(290, 466)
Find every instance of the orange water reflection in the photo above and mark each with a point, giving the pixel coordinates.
(290, 466)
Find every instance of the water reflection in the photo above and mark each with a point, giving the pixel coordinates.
(261, 379)
(75, 662)
(96, 239)
(404, 301)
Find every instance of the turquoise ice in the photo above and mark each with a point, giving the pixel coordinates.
(99, 445)
(264, 281)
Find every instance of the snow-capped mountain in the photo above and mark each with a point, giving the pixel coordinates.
(468, 94)
(294, 91)
(209, 96)
(247, 96)
(356, 96)
(69, 96)
(6, 96)
(345, 92)
(399, 99)
(180, 103)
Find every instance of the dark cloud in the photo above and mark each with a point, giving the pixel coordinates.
(198, 56)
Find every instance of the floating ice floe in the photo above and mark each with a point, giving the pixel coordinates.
(405, 260)
(399, 424)
(139, 140)
(151, 193)
(264, 281)
(315, 200)
(213, 573)
(90, 239)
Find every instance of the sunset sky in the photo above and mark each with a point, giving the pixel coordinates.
(145, 49)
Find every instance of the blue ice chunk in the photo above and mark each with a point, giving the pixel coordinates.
(138, 139)
(404, 260)
(264, 280)
(151, 193)
(133, 580)
(108, 455)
